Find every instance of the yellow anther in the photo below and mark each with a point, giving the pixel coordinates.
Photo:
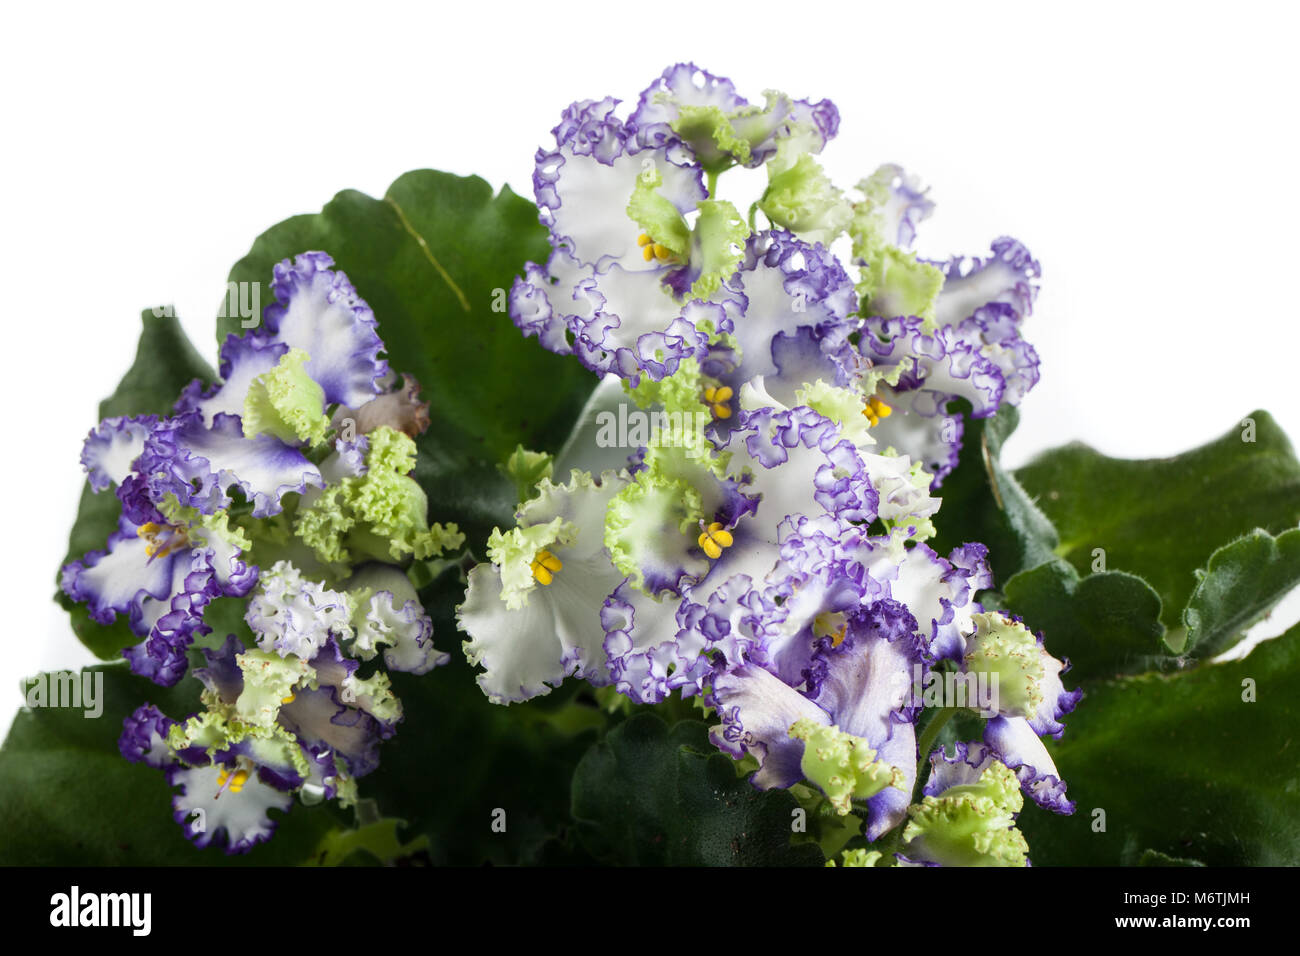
(876, 410)
(235, 780)
(651, 250)
(161, 540)
(714, 539)
(717, 399)
(546, 566)
(831, 624)
(289, 700)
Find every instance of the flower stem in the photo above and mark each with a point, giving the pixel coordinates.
(932, 729)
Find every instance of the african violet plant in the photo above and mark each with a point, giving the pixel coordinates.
(739, 575)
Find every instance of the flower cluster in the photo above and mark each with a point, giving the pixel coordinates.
(764, 548)
(286, 485)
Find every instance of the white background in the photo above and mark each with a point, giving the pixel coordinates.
(1146, 153)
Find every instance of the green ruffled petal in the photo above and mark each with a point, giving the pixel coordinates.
(891, 282)
(970, 825)
(652, 523)
(679, 392)
(382, 514)
(862, 857)
(841, 405)
(269, 680)
(712, 136)
(210, 731)
(1008, 654)
(896, 283)
(374, 695)
(720, 140)
(800, 196)
(685, 414)
(717, 245)
(513, 552)
(270, 745)
(203, 528)
(287, 402)
(657, 216)
(844, 766)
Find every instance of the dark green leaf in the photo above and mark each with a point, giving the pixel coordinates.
(68, 798)
(1182, 765)
(1154, 858)
(165, 362)
(1106, 624)
(1242, 581)
(1163, 518)
(648, 795)
(982, 501)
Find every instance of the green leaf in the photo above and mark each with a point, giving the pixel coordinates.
(647, 795)
(435, 258)
(1163, 518)
(1106, 624)
(165, 362)
(68, 798)
(982, 501)
(1155, 858)
(1184, 766)
(1241, 582)
(377, 840)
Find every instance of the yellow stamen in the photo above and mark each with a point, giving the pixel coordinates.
(832, 625)
(162, 539)
(651, 250)
(876, 410)
(546, 566)
(718, 399)
(234, 782)
(714, 539)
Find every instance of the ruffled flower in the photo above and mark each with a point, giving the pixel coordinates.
(862, 692)
(161, 577)
(641, 274)
(533, 613)
(967, 814)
